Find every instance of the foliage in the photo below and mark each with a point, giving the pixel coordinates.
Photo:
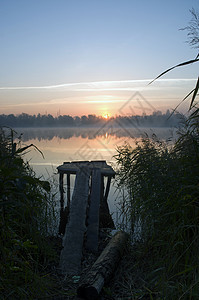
(163, 206)
(25, 120)
(193, 30)
(162, 181)
(26, 212)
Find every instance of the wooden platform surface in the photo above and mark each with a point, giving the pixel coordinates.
(84, 209)
(73, 167)
(93, 214)
(71, 254)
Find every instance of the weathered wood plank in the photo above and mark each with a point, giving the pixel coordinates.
(71, 254)
(92, 283)
(93, 214)
(73, 167)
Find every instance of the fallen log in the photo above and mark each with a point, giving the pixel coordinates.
(101, 271)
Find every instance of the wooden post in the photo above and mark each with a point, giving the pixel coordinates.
(106, 220)
(62, 221)
(100, 273)
(107, 188)
(68, 190)
(102, 190)
(61, 188)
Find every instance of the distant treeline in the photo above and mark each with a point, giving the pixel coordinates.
(157, 119)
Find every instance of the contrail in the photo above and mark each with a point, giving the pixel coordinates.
(97, 85)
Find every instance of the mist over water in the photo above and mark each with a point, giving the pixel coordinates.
(91, 133)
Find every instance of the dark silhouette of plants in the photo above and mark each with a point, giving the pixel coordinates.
(26, 214)
(162, 203)
(193, 39)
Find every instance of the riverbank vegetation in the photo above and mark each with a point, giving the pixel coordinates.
(163, 209)
(27, 218)
(156, 119)
(162, 206)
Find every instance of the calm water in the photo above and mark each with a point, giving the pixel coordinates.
(67, 144)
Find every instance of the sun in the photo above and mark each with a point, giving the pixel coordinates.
(105, 116)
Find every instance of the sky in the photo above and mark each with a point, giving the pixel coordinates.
(81, 57)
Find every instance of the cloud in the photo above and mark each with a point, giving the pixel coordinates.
(123, 85)
(93, 96)
(83, 100)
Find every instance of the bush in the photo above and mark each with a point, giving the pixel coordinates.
(25, 217)
(163, 208)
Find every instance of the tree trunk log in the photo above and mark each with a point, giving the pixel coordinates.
(103, 268)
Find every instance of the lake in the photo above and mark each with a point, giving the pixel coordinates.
(59, 145)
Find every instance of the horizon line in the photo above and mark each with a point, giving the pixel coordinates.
(91, 114)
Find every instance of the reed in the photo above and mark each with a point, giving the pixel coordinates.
(26, 215)
(163, 192)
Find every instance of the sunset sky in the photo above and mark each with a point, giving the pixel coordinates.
(93, 57)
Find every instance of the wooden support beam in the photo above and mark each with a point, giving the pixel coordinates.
(62, 220)
(93, 214)
(68, 190)
(71, 254)
(106, 220)
(64, 211)
(61, 189)
(107, 188)
(100, 273)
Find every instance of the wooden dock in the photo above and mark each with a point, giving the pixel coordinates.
(80, 219)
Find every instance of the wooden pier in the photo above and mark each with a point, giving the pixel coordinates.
(83, 214)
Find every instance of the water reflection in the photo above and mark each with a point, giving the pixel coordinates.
(71, 144)
(91, 133)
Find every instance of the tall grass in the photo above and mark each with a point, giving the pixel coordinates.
(163, 185)
(26, 214)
